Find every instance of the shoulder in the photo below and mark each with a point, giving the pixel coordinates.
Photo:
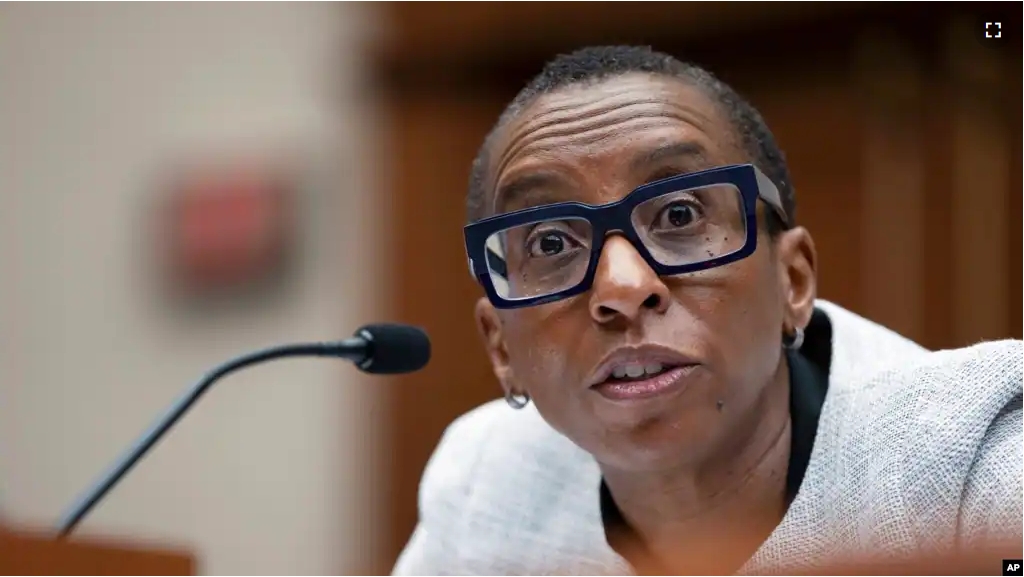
(875, 371)
(929, 446)
(920, 452)
(494, 443)
(933, 398)
(501, 489)
(979, 379)
(501, 460)
(983, 387)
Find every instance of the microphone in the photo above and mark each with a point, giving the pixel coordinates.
(380, 349)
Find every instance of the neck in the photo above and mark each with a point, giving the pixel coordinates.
(704, 505)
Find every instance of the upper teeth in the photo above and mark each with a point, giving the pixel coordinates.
(634, 370)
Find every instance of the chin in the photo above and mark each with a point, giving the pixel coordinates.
(657, 443)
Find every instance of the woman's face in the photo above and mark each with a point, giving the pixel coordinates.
(722, 327)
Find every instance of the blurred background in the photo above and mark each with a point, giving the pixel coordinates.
(181, 183)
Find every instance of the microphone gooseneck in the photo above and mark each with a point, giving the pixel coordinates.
(378, 349)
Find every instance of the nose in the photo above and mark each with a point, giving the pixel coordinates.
(624, 285)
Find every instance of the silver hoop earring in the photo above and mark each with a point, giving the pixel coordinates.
(517, 401)
(795, 341)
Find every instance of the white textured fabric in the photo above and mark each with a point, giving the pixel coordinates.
(913, 448)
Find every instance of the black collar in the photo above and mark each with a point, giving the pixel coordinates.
(808, 385)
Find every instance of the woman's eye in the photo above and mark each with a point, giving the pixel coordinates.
(549, 244)
(678, 215)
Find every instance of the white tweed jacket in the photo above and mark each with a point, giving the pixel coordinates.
(914, 448)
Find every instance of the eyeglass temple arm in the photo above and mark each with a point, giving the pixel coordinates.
(495, 264)
(770, 194)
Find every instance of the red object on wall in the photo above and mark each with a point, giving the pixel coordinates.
(229, 230)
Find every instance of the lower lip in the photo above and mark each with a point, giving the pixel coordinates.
(646, 388)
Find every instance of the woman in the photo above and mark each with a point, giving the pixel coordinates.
(680, 394)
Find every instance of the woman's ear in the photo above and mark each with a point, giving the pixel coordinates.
(492, 332)
(798, 263)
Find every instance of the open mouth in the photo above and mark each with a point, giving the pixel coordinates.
(638, 372)
(632, 382)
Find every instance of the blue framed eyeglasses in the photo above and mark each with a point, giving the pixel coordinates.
(681, 224)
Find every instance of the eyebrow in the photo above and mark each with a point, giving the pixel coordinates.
(529, 190)
(692, 155)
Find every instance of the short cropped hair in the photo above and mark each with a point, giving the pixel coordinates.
(598, 63)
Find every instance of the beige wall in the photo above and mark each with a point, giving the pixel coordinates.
(269, 473)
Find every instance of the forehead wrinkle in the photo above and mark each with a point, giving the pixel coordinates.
(608, 97)
(542, 128)
(564, 119)
(539, 143)
(568, 120)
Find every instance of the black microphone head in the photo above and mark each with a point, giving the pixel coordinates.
(394, 349)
